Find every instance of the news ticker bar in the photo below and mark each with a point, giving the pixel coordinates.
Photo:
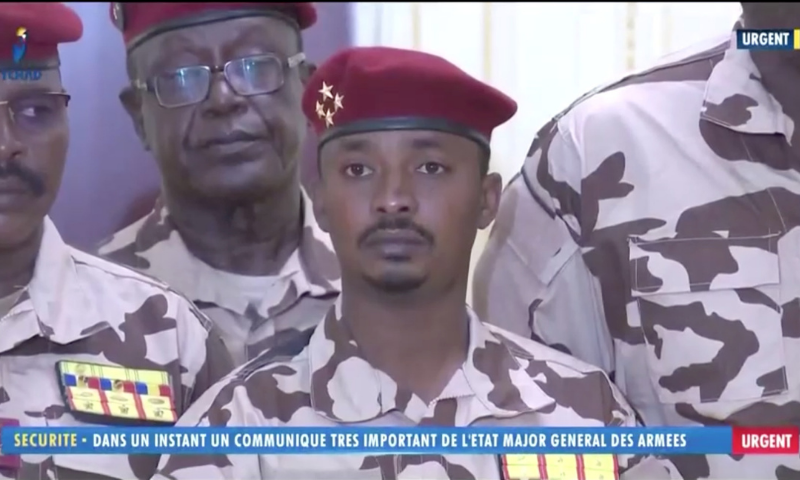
(419, 440)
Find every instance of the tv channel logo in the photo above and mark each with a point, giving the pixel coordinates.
(18, 50)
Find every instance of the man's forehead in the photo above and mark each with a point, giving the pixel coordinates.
(262, 32)
(49, 81)
(396, 140)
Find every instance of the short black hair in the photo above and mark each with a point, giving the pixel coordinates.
(485, 157)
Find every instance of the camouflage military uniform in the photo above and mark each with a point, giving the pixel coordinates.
(84, 309)
(295, 299)
(506, 380)
(654, 232)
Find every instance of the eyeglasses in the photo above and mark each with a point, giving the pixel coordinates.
(248, 76)
(37, 112)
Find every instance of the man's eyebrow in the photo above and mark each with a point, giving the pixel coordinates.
(177, 42)
(425, 143)
(26, 90)
(168, 49)
(257, 33)
(352, 145)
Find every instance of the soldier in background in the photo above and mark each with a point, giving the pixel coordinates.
(653, 231)
(83, 341)
(215, 96)
(404, 187)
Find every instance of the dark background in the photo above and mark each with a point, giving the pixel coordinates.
(110, 181)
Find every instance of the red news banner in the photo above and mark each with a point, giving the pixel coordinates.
(765, 440)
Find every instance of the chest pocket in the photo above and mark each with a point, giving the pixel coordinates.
(710, 311)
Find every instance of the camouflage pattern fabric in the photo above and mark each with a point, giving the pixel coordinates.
(81, 308)
(299, 297)
(653, 231)
(506, 380)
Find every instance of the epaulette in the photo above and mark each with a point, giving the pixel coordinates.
(282, 351)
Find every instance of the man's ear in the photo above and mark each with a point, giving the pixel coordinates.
(491, 190)
(131, 101)
(306, 70)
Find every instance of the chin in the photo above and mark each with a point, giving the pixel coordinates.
(16, 230)
(396, 282)
(235, 188)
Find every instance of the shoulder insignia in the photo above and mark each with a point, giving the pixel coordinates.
(279, 352)
(10, 462)
(106, 394)
(555, 467)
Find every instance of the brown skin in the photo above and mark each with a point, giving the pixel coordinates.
(237, 212)
(31, 167)
(404, 291)
(780, 70)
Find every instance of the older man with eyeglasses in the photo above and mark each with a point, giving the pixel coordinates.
(214, 94)
(83, 341)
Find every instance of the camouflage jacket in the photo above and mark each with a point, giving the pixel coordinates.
(506, 380)
(304, 288)
(654, 231)
(78, 318)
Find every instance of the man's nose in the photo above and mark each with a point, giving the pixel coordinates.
(395, 194)
(222, 98)
(10, 145)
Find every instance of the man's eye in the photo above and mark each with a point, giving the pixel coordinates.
(432, 168)
(357, 170)
(32, 111)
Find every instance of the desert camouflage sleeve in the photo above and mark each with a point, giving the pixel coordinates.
(633, 467)
(209, 364)
(225, 403)
(204, 361)
(532, 279)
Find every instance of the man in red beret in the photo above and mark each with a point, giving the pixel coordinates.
(215, 96)
(405, 185)
(83, 341)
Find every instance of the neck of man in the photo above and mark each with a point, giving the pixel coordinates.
(419, 340)
(781, 78)
(250, 238)
(17, 264)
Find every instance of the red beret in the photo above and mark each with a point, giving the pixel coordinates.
(379, 88)
(139, 21)
(46, 25)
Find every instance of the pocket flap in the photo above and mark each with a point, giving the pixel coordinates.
(678, 264)
(541, 243)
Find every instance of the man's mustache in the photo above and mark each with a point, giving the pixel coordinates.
(30, 178)
(395, 223)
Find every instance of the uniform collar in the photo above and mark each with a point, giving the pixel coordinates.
(310, 271)
(736, 99)
(346, 389)
(55, 295)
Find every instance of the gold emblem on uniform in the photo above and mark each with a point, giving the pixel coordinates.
(334, 102)
(117, 392)
(560, 467)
